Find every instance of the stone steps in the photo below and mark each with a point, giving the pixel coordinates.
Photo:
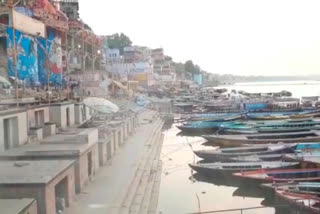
(139, 171)
(143, 167)
(134, 185)
(146, 178)
(153, 203)
(124, 195)
(155, 170)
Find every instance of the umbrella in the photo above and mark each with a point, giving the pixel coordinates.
(101, 105)
(4, 81)
(73, 82)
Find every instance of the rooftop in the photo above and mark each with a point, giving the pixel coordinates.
(14, 206)
(31, 172)
(44, 151)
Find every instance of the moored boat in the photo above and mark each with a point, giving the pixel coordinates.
(201, 126)
(254, 158)
(271, 130)
(306, 115)
(217, 117)
(312, 188)
(267, 117)
(228, 168)
(280, 175)
(239, 140)
(297, 155)
(226, 154)
(307, 202)
(296, 125)
(310, 159)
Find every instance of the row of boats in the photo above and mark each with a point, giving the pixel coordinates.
(281, 155)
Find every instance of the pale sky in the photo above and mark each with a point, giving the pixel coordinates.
(244, 37)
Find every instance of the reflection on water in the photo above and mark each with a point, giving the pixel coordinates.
(184, 191)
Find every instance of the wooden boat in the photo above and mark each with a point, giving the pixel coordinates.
(256, 158)
(266, 152)
(271, 130)
(283, 115)
(312, 157)
(226, 154)
(211, 117)
(239, 140)
(228, 123)
(229, 168)
(202, 126)
(271, 127)
(298, 155)
(307, 202)
(221, 118)
(267, 117)
(306, 115)
(281, 175)
(311, 188)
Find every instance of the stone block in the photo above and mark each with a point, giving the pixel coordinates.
(49, 129)
(89, 136)
(37, 131)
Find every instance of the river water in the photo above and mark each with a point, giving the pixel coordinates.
(184, 191)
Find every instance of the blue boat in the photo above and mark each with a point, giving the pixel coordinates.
(272, 127)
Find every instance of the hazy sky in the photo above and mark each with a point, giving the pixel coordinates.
(271, 37)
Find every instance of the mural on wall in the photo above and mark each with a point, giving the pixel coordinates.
(27, 66)
(54, 53)
(32, 66)
(3, 58)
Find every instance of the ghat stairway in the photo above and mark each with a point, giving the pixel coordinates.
(131, 181)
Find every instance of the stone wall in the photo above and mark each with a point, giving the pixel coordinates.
(19, 130)
(58, 115)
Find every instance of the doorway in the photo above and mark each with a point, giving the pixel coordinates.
(39, 118)
(89, 164)
(119, 138)
(109, 152)
(114, 142)
(68, 116)
(11, 132)
(61, 195)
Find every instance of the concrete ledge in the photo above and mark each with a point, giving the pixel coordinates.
(88, 136)
(49, 129)
(37, 131)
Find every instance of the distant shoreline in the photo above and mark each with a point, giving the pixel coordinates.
(273, 83)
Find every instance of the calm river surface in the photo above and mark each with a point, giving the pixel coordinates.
(184, 191)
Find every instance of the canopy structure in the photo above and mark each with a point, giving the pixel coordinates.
(120, 85)
(4, 81)
(101, 105)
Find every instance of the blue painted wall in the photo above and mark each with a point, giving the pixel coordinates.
(31, 59)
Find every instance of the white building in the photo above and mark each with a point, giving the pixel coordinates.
(112, 55)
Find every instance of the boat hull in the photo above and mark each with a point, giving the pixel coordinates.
(187, 129)
(233, 142)
(233, 168)
(302, 201)
(231, 157)
(268, 176)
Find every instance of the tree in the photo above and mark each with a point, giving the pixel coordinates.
(197, 69)
(192, 68)
(118, 41)
(189, 66)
